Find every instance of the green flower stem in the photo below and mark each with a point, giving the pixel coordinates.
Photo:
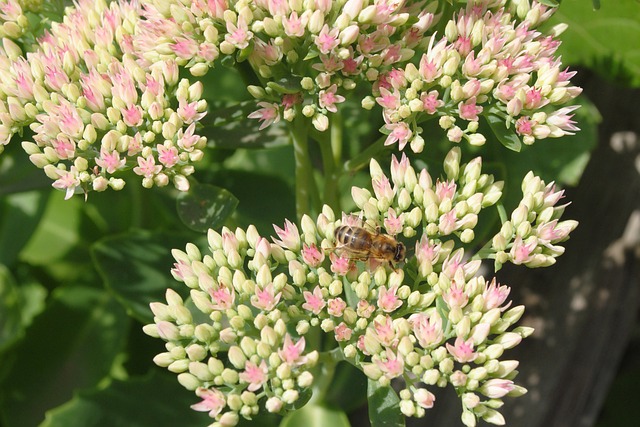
(486, 252)
(362, 159)
(329, 162)
(502, 213)
(306, 190)
(327, 363)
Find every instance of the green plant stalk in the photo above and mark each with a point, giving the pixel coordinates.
(329, 163)
(328, 361)
(306, 189)
(362, 159)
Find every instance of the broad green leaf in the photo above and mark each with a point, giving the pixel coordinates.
(263, 199)
(384, 406)
(72, 344)
(19, 216)
(155, 400)
(348, 389)
(17, 173)
(18, 306)
(246, 133)
(605, 40)
(205, 206)
(57, 232)
(507, 137)
(136, 267)
(230, 114)
(313, 415)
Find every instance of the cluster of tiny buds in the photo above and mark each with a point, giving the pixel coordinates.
(95, 113)
(431, 322)
(413, 201)
(486, 64)
(532, 234)
(329, 45)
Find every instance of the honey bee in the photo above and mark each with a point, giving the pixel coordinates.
(361, 244)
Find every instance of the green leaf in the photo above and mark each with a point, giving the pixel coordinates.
(56, 233)
(73, 344)
(136, 267)
(384, 406)
(590, 40)
(246, 133)
(20, 214)
(229, 114)
(316, 416)
(155, 400)
(348, 389)
(264, 199)
(507, 137)
(286, 85)
(18, 306)
(17, 173)
(205, 206)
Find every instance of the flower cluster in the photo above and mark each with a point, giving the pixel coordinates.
(431, 323)
(487, 64)
(307, 53)
(532, 234)
(94, 109)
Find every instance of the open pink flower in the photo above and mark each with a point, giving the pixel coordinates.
(291, 353)
(327, 98)
(427, 328)
(398, 132)
(343, 332)
(265, 299)
(312, 256)
(223, 298)
(469, 110)
(268, 114)
(336, 306)
(212, 401)
(388, 301)
(392, 366)
(255, 375)
(462, 350)
(314, 302)
(290, 237)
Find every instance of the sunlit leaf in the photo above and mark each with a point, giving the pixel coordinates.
(590, 41)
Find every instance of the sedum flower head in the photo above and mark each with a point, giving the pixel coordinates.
(96, 110)
(533, 233)
(490, 62)
(307, 54)
(257, 302)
